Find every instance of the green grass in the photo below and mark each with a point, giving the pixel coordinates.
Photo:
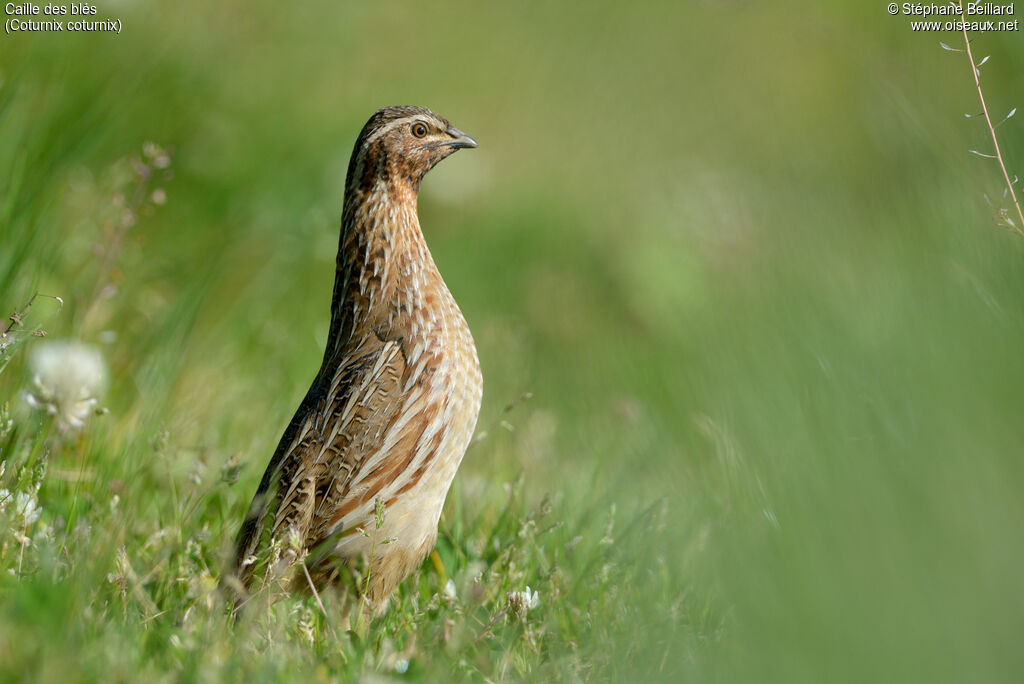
(771, 330)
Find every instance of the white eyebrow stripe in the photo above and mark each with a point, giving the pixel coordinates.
(397, 122)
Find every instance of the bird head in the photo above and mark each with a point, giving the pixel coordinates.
(399, 145)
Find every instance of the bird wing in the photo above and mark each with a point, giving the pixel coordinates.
(354, 408)
(391, 430)
(392, 458)
(337, 424)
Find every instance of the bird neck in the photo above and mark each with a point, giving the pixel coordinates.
(383, 265)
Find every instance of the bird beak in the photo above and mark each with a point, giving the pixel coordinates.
(459, 139)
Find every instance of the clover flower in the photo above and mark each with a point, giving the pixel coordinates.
(522, 602)
(26, 507)
(68, 378)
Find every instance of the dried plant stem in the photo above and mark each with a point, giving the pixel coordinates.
(320, 604)
(312, 588)
(143, 175)
(18, 317)
(1019, 228)
(490, 624)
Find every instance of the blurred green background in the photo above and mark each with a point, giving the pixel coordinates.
(737, 251)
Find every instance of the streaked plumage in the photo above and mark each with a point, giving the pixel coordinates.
(395, 403)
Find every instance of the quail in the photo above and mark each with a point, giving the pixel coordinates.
(389, 415)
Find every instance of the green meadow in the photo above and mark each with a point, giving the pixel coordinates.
(750, 317)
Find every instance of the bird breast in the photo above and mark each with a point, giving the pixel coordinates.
(400, 298)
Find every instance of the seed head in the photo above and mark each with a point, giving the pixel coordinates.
(68, 378)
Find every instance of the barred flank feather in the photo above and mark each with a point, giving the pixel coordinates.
(393, 407)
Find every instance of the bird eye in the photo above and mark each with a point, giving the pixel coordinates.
(419, 129)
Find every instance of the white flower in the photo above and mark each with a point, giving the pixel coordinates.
(522, 602)
(27, 508)
(449, 590)
(68, 379)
